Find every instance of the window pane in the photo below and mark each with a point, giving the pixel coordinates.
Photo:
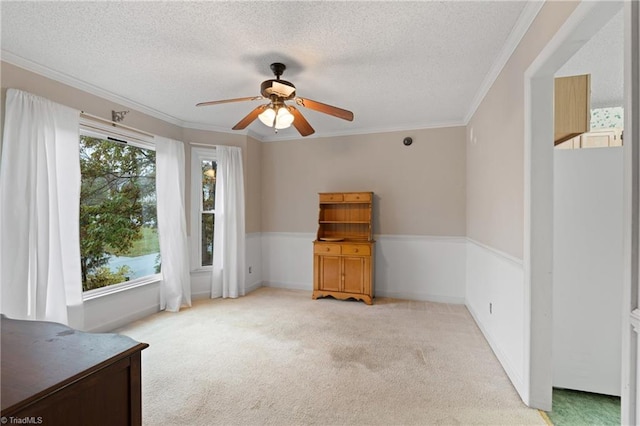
(118, 222)
(208, 185)
(208, 221)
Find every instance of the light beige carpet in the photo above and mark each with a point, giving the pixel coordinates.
(277, 357)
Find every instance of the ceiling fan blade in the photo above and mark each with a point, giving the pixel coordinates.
(299, 122)
(324, 108)
(250, 117)
(226, 101)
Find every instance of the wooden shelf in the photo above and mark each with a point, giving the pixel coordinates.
(341, 202)
(345, 221)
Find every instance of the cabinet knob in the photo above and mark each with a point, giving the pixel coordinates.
(355, 250)
(326, 249)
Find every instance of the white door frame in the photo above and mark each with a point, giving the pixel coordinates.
(586, 20)
(631, 149)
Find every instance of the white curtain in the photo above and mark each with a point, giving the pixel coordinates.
(229, 232)
(175, 289)
(40, 274)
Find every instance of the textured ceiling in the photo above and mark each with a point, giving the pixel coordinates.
(396, 65)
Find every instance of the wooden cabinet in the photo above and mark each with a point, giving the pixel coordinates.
(572, 107)
(54, 375)
(617, 137)
(599, 138)
(343, 251)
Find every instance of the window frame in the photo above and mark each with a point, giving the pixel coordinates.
(98, 130)
(198, 154)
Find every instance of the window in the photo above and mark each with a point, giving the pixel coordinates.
(203, 178)
(118, 221)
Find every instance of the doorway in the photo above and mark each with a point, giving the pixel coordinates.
(587, 19)
(587, 227)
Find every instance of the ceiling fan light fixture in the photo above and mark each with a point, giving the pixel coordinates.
(267, 116)
(279, 118)
(284, 118)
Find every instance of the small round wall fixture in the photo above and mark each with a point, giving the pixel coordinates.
(407, 141)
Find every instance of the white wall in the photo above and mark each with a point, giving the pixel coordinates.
(287, 260)
(587, 286)
(421, 268)
(201, 280)
(108, 312)
(495, 297)
(410, 267)
(111, 311)
(587, 272)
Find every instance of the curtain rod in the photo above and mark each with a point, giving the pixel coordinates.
(113, 123)
(204, 145)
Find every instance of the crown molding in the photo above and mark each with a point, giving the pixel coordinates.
(44, 71)
(518, 31)
(279, 137)
(63, 78)
(377, 130)
(210, 127)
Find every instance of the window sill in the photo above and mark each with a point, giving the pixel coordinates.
(202, 270)
(117, 288)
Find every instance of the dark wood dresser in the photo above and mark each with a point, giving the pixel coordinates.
(55, 375)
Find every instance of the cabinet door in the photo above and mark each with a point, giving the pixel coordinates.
(572, 107)
(330, 274)
(354, 274)
(600, 139)
(573, 143)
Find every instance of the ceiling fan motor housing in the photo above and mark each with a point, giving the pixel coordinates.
(281, 88)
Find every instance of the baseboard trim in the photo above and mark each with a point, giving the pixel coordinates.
(516, 379)
(200, 295)
(252, 287)
(421, 297)
(288, 286)
(393, 295)
(207, 294)
(122, 321)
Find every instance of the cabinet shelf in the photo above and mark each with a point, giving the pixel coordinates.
(345, 240)
(360, 222)
(342, 202)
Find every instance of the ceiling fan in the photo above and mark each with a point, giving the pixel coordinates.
(277, 113)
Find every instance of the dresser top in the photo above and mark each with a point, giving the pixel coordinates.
(38, 356)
